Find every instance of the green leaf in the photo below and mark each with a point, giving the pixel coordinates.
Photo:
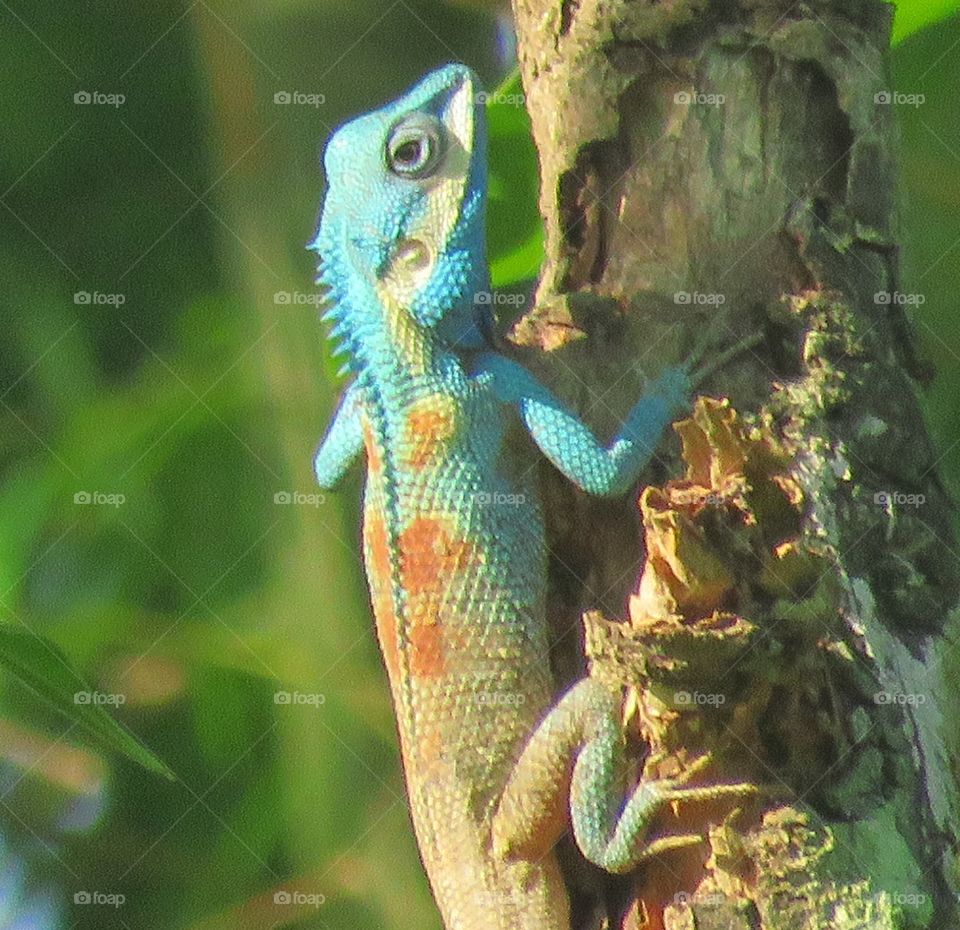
(44, 670)
(514, 226)
(914, 15)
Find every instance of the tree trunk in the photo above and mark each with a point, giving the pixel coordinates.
(728, 168)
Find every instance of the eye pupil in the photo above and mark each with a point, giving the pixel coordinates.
(409, 152)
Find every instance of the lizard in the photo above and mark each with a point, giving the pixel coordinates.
(496, 767)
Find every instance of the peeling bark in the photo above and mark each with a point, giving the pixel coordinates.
(729, 167)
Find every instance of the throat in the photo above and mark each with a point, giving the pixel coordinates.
(397, 353)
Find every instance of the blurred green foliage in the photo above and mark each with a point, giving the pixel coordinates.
(515, 240)
(914, 15)
(163, 384)
(42, 669)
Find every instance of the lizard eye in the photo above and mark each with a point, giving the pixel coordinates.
(414, 147)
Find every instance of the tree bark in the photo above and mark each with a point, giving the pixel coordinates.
(729, 167)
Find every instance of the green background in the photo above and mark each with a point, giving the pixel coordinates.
(186, 399)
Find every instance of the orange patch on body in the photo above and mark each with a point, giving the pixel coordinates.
(377, 544)
(426, 651)
(374, 458)
(430, 552)
(431, 424)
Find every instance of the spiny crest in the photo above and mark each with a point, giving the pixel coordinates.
(334, 315)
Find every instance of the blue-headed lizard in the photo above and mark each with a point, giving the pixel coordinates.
(496, 767)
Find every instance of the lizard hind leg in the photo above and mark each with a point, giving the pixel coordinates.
(613, 834)
(575, 765)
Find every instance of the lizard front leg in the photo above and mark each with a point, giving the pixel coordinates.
(343, 443)
(568, 442)
(576, 761)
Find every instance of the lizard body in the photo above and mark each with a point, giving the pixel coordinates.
(453, 534)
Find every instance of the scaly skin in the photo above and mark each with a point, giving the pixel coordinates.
(453, 534)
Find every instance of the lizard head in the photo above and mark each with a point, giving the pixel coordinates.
(403, 218)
